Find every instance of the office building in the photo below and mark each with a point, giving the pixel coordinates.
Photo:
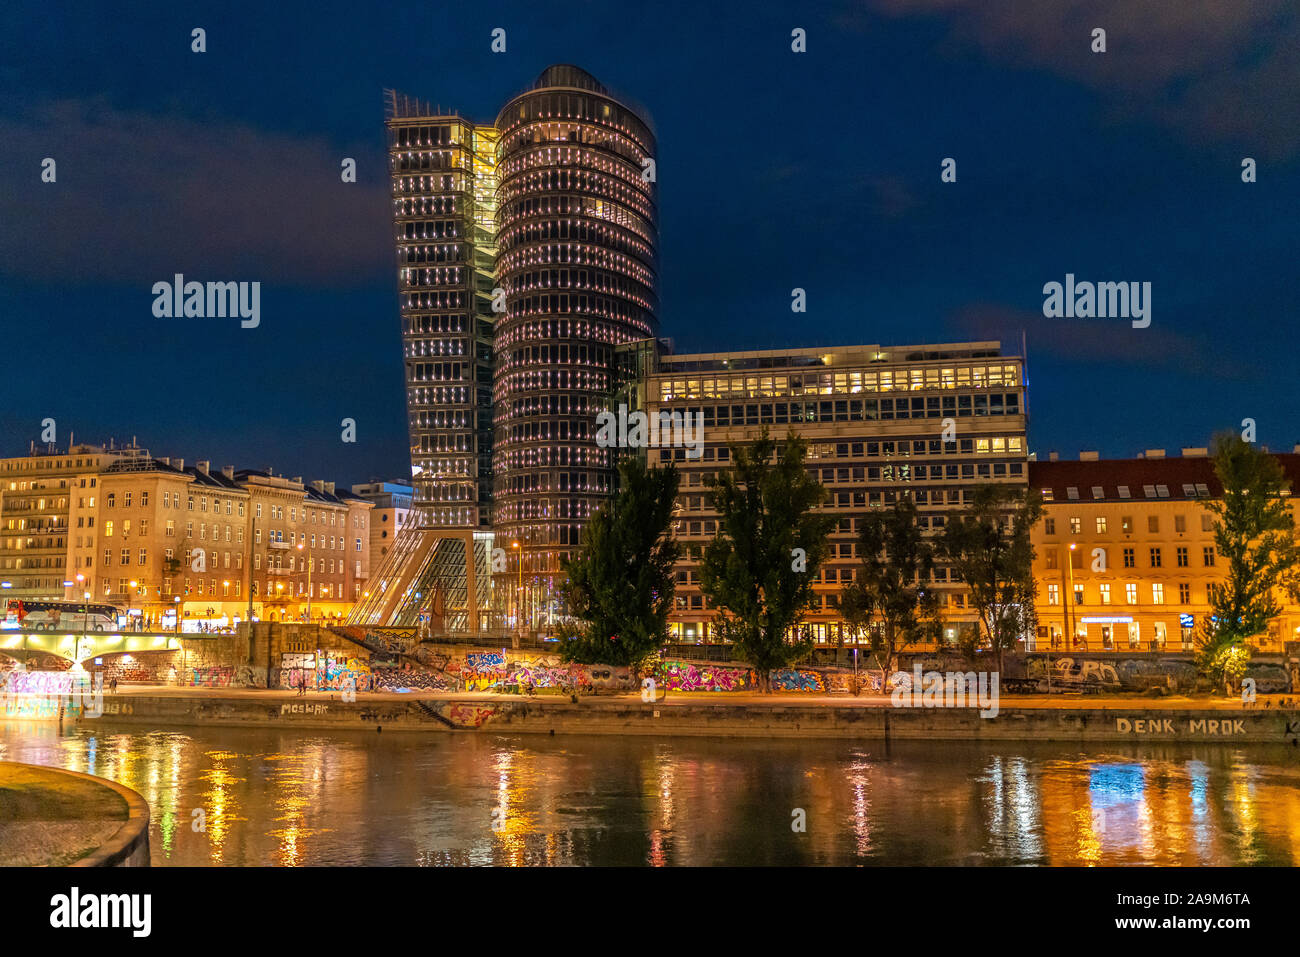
(874, 419)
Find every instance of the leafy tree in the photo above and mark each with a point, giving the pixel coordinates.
(620, 585)
(1255, 535)
(891, 586)
(988, 547)
(758, 570)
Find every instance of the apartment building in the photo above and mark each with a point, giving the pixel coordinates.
(1125, 557)
(38, 495)
(156, 537)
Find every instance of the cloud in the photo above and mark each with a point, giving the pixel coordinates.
(140, 196)
(1110, 341)
(1208, 70)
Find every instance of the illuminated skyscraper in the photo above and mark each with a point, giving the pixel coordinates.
(443, 170)
(578, 249)
(527, 252)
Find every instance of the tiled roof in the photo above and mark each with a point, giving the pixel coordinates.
(1146, 479)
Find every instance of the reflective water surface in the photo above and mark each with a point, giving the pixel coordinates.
(237, 796)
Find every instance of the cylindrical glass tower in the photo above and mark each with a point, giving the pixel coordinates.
(577, 243)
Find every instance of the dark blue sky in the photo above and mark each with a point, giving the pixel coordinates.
(776, 170)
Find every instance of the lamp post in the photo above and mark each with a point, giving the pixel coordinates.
(176, 605)
(1069, 571)
(85, 617)
(307, 558)
(519, 591)
(80, 583)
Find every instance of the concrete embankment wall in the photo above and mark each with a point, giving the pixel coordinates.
(627, 715)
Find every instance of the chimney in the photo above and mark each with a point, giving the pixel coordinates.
(329, 487)
(1053, 456)
(318, 485)
(1087, 456)
(228, 471)
(1154, 453)
(180, 464)
(1195, 453)
(203, 465)
(297, 480)
(166, 460)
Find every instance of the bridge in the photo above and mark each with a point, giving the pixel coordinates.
(74, 646)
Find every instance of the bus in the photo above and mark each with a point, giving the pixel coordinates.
(35, 615)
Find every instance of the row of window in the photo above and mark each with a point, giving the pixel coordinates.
(1131, 593)
(830, 383)
(1126, 524)
(1155, 557)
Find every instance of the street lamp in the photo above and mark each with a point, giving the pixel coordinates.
(301, 547)
(1069, 571)
(519, 591)
(132, 584)
(85, 617)
(176, 603)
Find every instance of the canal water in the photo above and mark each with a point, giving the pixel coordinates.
(235, 796)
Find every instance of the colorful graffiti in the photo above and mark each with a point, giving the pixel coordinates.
(468, 715)
(485, 660)
(42, 695)
(350, 674)
(792, 679)
(544, 674)
(397, 679)
(210, 677)
(863, 681)
(684, 676)
(39, 682)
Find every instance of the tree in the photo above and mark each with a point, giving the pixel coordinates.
(988, 546)
(891, 586)
(620, 585)
(758, 570)
(1255, 535)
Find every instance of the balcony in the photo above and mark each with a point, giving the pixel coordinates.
(278, 545)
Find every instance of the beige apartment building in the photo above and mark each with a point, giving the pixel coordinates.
(156, 537)
(928, 422)
(1125, 557)
(37, 494)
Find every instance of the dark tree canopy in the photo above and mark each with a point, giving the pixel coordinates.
(757, 572)
(620, 584)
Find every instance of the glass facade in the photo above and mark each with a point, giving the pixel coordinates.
(444, 185)
(577, 260)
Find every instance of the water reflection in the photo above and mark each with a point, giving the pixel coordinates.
(249, 796)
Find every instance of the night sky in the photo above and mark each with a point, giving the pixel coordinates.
(776, 170)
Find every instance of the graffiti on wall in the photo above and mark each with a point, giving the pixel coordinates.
(468, 715)
(397, 679)
(798, 679)
(43, 694)
(210, 677)
(684, 676)
(863, 681)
